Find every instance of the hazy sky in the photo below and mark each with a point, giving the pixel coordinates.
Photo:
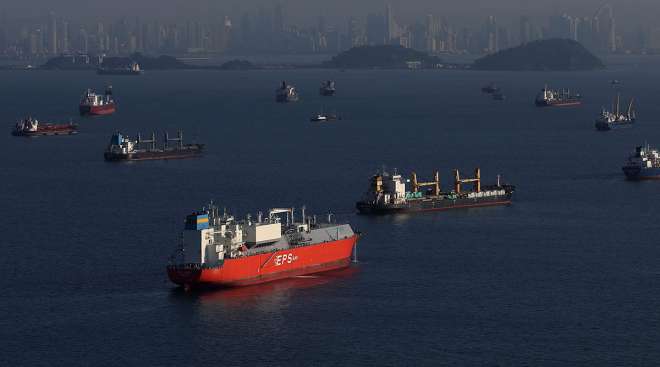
(627, 11)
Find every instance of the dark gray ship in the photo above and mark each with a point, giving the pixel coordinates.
(388, 194)
(122, 148)
(286, 93)
(327, 88)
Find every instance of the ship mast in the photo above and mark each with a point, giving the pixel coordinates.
(630, 107)
(618, 100)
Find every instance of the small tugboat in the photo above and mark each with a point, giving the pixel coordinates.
(323, 117)
(32, 127)
(122, 148)
(390, 194)
(286, 93)
(132, 69)
(615, 119)
(643, 164)
(319, 117)
(553, 98)
(327, 88)
(93, 104)
(490, 88)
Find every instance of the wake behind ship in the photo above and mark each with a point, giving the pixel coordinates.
(122, 148)
(387, 194)
(220, 250)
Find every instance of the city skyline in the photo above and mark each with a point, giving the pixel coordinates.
(271, 29)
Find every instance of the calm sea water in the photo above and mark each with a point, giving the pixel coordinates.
(568, 275)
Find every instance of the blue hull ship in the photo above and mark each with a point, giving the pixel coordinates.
(644, 164)
(606, 126)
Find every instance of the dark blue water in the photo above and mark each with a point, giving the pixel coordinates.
(568, 275)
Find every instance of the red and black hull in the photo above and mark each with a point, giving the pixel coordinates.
(49, 130)
(433, 204)
(566, 103)
(191, 151)
(267, 267)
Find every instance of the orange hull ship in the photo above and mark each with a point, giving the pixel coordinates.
(219, 251)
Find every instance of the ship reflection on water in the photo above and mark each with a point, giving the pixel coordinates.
(274, 294)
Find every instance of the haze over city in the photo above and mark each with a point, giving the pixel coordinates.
(38, 29)
(309, 8)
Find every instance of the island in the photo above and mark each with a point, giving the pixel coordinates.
(383, 57)
(552, 54)
(162, 62)
(93, 62)
(238, 65)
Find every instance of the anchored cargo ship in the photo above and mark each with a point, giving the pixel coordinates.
(328, 88)
(553, 98)
(220, 250)
(616, 119)
(32, 127)
(122, 148)
(96, 104)
(286, 93)
(132, 69)
(644, 164)
(388, 194)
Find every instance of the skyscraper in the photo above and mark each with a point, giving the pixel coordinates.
(376, 33)
(52, 43)
(391, 27)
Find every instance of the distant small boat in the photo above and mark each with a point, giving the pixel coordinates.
(490, 88)
(615, 82)
(323, 117)
(286, 93)
(499, 96)
(327, 88)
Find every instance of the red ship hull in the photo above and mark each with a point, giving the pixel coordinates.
(266, 267)
(106, 109)
(49, 129)
(559, 104)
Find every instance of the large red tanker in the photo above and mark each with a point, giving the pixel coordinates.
(217, 250)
